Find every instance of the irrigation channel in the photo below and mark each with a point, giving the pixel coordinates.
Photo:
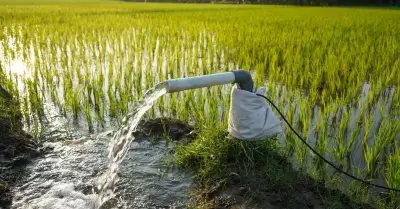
(85, 172)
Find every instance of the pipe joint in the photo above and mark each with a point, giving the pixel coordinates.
(244, 80)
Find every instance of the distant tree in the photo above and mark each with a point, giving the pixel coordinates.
(294, 2)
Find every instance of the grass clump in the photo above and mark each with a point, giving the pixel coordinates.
(9, 106)
(251, 174)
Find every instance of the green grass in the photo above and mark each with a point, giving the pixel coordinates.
(258, 168)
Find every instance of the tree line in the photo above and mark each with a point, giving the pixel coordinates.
(291, 2)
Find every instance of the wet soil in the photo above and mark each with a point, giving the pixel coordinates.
(161, 128)
(252, 191)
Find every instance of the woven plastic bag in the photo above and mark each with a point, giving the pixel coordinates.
(250, 117)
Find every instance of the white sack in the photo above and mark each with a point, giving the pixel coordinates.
(250, 117)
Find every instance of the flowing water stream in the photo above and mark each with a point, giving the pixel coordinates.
(121, 141)
(65, 177)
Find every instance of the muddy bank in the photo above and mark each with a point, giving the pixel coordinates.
(16, 150)
(254, 190)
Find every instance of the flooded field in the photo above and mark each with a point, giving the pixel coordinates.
(79, 70)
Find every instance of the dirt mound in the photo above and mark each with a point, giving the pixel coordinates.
(164, 127)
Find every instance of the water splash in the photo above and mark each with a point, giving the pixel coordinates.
(65, 196)
(119, 145)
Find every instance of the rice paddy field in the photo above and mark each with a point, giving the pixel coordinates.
(335, 73)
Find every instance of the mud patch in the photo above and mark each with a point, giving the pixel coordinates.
(162, 128)
(255, 191)
(245, 192)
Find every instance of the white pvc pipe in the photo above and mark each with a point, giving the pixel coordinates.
(182, 84)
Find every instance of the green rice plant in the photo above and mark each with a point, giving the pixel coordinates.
(392, 176)
(322, 139)
(395, 106)
(212, 104)
(88, 114)
(386, 134)
(358, 125)
(304, 120)
(185, 105)
(368, 123)
(289, 137)
(112, 108)
(339, 151)
(198, 113)
(74, 101)
(36, 127)
(124, 101)
(34, 97)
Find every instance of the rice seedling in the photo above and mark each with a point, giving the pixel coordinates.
(387, 133)
(339, 151)
(321, 144)
(392, 174)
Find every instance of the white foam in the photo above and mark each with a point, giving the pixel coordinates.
(63, 196)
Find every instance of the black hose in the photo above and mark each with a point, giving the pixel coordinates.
(322, 157)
